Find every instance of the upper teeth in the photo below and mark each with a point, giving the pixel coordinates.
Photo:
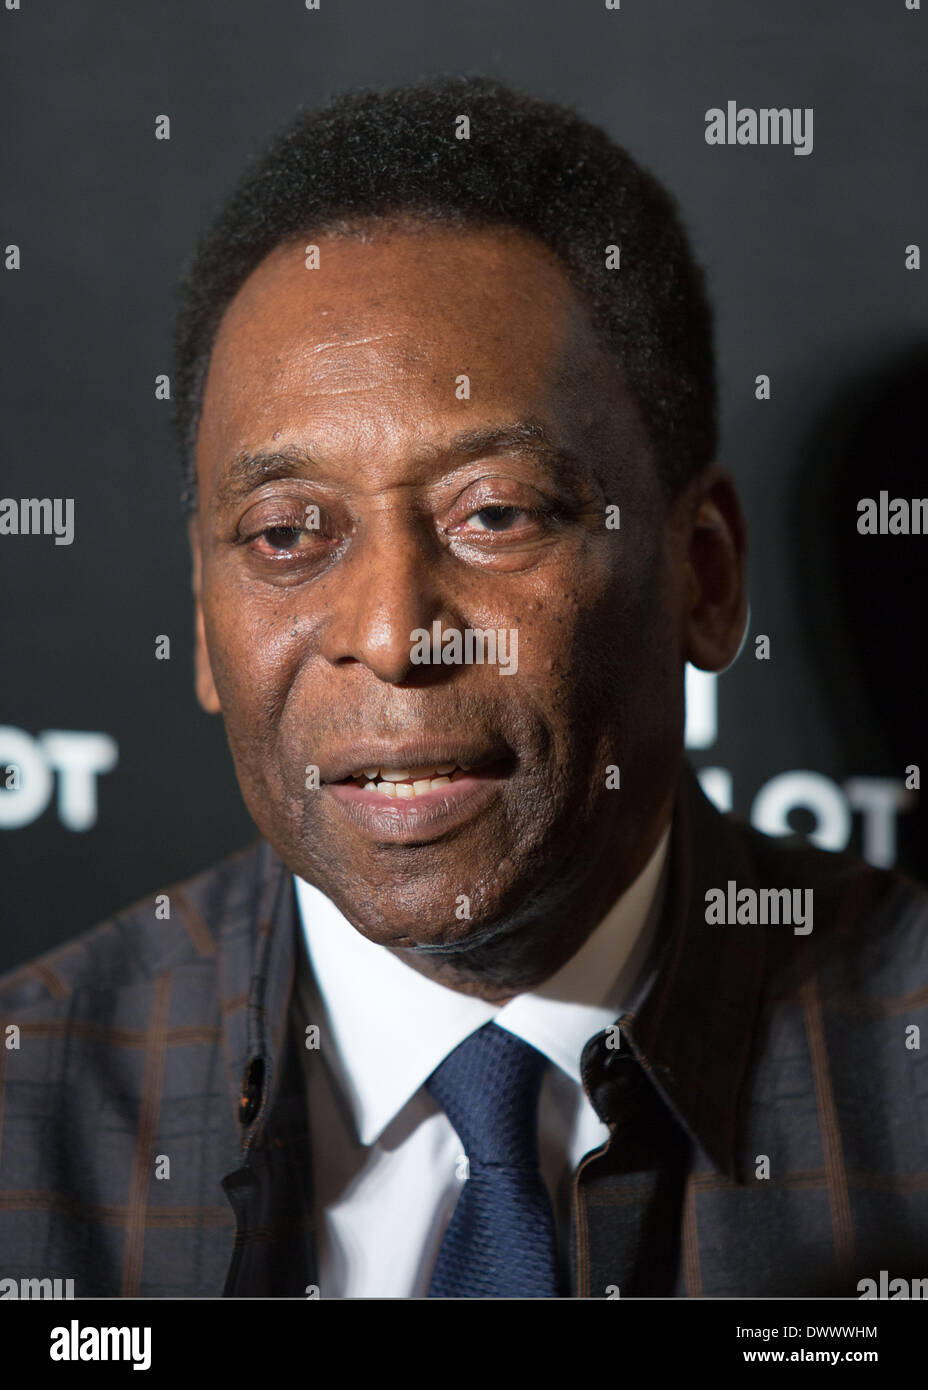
(408, 774)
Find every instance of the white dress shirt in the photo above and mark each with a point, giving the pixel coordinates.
(387, 1164)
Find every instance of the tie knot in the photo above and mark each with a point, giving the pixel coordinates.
(488, 1087)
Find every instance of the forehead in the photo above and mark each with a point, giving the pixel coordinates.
(369, 348)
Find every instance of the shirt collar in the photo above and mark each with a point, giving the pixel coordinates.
(389, 1026)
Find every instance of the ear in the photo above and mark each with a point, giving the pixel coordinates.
(716, 602)
(205, 685)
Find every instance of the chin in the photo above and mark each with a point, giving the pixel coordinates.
(426, 931)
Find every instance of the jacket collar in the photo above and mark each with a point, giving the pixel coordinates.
(256, 965)
(694, 1031)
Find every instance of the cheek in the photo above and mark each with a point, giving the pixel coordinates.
(597, 634)
(252, 657)
(607, 656)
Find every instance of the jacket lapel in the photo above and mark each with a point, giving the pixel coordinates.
(669, 1091)
(270, 1189)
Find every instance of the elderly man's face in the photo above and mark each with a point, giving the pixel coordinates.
(480, 506)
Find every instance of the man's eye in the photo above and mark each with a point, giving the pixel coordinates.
(496, 518)
(282, 537)
(278, 542)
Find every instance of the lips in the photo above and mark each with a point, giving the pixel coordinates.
(415, 799)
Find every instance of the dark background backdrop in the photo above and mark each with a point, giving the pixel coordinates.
(806, 261)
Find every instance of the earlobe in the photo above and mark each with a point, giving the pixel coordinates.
(744, 636)
(716, 621)
(205, 685)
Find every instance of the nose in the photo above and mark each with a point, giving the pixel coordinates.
(386, 586)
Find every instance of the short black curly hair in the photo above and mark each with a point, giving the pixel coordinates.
(527, 163)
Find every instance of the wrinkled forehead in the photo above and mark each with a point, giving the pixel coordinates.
(372, 337)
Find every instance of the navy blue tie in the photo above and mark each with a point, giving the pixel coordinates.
(501, 1241)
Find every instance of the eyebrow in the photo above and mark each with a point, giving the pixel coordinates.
(529, 438)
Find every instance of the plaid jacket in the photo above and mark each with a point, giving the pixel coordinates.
(768, 1102)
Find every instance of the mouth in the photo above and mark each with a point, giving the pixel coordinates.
(420, 801)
